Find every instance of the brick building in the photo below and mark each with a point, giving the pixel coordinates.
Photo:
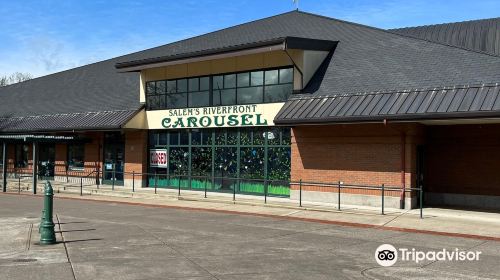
(293, 97)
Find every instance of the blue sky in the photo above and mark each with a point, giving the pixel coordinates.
(47, 36)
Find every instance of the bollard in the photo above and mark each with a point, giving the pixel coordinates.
(81, 186)
(47, 233)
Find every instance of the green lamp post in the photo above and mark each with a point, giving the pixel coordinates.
(47, 233)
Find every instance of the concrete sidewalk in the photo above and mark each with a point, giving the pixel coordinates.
(460, 223)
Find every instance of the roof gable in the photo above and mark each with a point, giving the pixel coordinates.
(366, 59)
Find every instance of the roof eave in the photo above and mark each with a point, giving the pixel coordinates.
(391, 118)
(230, 51)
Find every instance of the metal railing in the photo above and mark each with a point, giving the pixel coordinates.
(338, 186)
(233, 185)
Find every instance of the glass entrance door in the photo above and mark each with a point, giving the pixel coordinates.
(114, 158)
(46, 161)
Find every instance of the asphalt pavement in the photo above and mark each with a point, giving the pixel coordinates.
(112, 240)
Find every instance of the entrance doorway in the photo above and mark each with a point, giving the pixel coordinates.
(114, 158)
(46, 161)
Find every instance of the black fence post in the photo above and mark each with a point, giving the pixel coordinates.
(179, 185)
(300, 193)
(133, 181)
(97, 176)
(113, 178)
(156, 180)
(338, 194)
(81, 186)
(234, 189)
(265, 191)
(206, 188)
(19, 184)
(421, 201)
(383, 199)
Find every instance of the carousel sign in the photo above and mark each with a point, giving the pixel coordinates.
(221, 116)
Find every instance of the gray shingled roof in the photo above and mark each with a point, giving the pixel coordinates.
(67, 122)
(481, 35)
(366, 60)
(93, 88)
(438, 103)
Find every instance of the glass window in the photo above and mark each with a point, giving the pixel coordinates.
(76, 155)
(286, 138)
(218, 82)
(150, 88)
(248, 145)
(177, 100)
(250, 95)
(207, 137)
(178, 161)
(271, 77)
(22, 155)
(199, 99)
(174, 138)
(204, 83)
(162, 139)
(220, 137)
(201, 161)
(160, 87)
(246, 137)
(257, 78)
(184, 137)
(194, 84)
(182, 85)
(243, 79)
(278, 167)
(224, 97)
(273, 136)
(230, 81)
(171, 86)
(276, 93)
(226, 162)
(232, 137)
(252, 163)
(153, 139)
(286, 76)
(153, 102)
(258, 136)
(251, 87)
(195, 137)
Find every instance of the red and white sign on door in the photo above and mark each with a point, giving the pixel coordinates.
(158, 158)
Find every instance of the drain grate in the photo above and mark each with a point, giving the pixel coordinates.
(24, 260)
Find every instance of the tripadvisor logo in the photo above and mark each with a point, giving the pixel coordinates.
(388, 255)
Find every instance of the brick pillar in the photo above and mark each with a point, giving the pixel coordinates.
(60, 167)
(136, 157)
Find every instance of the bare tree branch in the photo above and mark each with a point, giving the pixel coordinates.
(13, 78)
